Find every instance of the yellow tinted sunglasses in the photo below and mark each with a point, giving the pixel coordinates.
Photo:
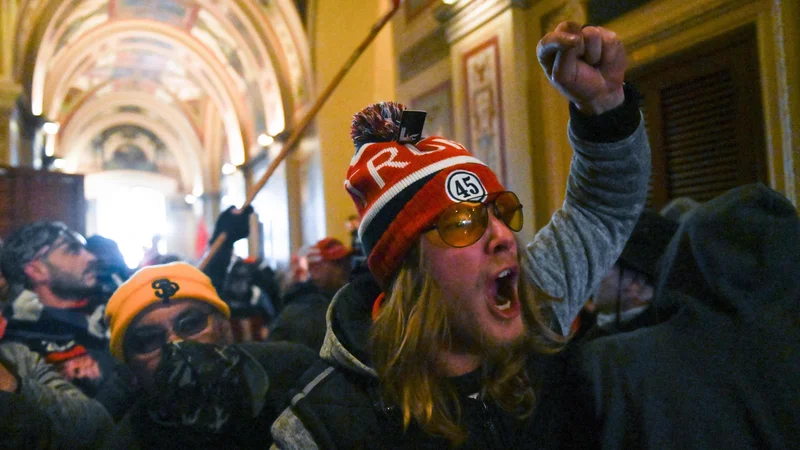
(463, 223)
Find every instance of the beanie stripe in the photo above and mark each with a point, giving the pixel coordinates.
(397, 187)
(416, 216)
(389, 213)
(400, 189)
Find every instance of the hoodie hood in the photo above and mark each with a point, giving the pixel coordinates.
(738, 255)
(349, 319)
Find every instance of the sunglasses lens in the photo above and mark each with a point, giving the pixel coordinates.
(147, 342)
(191, 324)
(509, 210)
(463, 224)
(149, 339)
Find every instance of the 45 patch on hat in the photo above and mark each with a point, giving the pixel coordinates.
(463, 185)
(400, 189)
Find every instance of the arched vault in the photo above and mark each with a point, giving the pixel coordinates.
(205, 77)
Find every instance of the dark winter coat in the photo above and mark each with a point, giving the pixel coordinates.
(345, 409)
(724, 372)
(302, 319)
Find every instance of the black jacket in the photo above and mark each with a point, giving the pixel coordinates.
(724, 372)
(302, 319)
(343, 409)
(283, 364)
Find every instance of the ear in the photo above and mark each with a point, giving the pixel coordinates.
(37, 272)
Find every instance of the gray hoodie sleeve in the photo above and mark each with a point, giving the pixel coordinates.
(75, 421)
(606, 191)
(289, 433)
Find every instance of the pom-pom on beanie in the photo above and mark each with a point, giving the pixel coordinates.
(153, 284)
(400, 189)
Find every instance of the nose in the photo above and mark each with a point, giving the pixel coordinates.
(500, 237)
(87, 255)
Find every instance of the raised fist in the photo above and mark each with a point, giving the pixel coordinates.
(587, 65)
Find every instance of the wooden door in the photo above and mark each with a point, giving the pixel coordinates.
(28, 195)
(704, 117)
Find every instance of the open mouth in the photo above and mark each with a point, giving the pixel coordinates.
(505, 292)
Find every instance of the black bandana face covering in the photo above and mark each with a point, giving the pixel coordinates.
(207, 388)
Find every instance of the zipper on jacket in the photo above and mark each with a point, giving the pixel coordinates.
(494, 435)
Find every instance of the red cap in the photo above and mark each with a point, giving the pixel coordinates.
(328, 249)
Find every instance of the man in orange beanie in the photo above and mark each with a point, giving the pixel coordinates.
(169, 326)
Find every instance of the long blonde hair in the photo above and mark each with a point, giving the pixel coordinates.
(413, 328)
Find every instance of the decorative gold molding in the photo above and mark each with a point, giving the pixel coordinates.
(465, 16)
(571, 10)
(665, 27)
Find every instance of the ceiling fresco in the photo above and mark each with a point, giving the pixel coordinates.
(225, 71)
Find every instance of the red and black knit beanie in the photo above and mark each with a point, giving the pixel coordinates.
(400, 189)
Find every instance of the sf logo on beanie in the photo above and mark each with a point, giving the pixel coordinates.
(164, 288)
(462, 185)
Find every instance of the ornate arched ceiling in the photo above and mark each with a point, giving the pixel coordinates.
(223, 72)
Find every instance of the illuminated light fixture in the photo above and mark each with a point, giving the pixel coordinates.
(59, 163)
(449, 2)
(50, 127)
(265, 140)
(228, 169)
(190, 199)
(197, 191)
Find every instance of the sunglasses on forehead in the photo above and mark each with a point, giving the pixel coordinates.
(463, 223)
(148, 339)
(62, 236)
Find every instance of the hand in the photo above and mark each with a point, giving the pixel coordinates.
(586, 65)
(8, 382)
(235, 224)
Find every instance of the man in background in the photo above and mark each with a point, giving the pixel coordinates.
(51, 315)
(724, 370)
(302, 319)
